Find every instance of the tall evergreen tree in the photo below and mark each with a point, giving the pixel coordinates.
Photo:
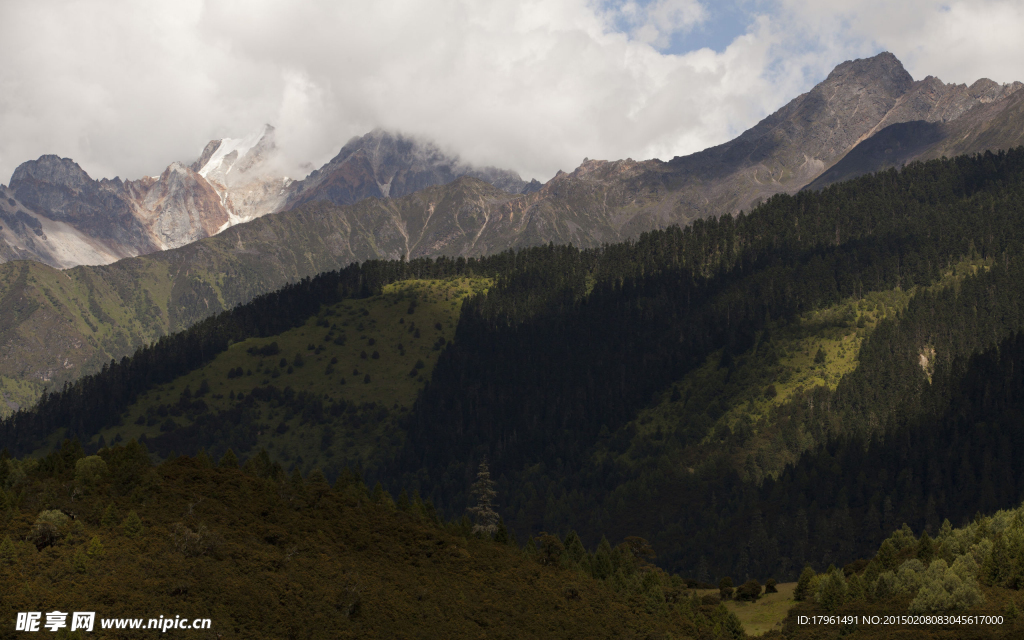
(483, 492)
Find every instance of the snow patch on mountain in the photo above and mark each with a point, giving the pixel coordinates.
(236, 148)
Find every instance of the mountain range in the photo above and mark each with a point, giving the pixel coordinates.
(54, 213)
(386, 196)
(866, 115)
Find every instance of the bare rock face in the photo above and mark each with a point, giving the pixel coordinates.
(933, 120)
(800, 142)
(27, 235)
(178, 207)
(58, 189)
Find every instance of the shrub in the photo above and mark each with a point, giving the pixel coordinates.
(90, 469)
(769, 586)
(819, 358)
(749, 590)
(191, 543)
(725, 589)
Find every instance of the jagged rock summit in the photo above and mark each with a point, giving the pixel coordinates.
(794, 146)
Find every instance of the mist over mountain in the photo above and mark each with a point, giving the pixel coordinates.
(866, 115)
(56, 214)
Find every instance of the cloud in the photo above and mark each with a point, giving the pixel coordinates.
(656, 22)
(125, 88)
(959, 41)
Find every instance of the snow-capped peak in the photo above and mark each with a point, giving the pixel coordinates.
(237, 146)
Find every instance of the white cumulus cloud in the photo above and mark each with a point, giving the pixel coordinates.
(126, 87)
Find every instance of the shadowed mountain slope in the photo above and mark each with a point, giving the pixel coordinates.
(98, 313)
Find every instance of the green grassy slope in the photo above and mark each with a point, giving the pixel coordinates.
(370, 356)
(736, 405)
(56, 326)
(765, 614)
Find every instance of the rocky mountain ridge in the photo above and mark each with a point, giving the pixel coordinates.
(53, 212)
(866, 115)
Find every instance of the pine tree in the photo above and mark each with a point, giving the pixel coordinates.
(95, 549)
(601, 568)
(832, 591)
(132, 525)
(8, 554)
(109, 516)
(925, 548)
(483, 491)
(229, 460)
(574, 547)
(203, 460)
(803, 585)
(80, 562)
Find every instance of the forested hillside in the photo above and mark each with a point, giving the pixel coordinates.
(748, 394)
(548, 391)
(962, 583)
(262, 554)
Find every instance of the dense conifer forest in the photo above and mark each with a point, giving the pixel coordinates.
(552, 368)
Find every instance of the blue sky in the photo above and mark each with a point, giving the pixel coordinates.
(723, 22)
(125, 88)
